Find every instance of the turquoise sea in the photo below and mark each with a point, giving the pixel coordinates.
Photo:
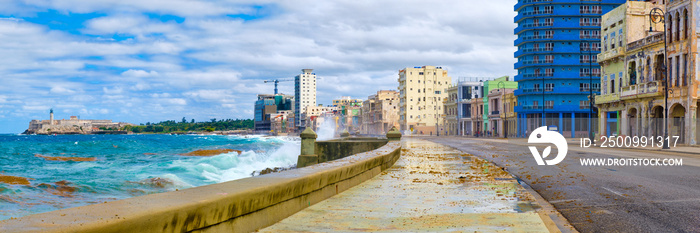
(125, 166)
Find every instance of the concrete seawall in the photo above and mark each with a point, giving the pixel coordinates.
(237, 206)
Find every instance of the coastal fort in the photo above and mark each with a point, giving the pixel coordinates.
(74, 125)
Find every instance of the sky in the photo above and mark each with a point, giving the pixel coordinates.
(141, 61)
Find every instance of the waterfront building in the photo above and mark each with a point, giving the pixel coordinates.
(350, 113)
(268, 107)
(477, 116)
(509, 116)
(74, 125)
(467, 89)
(450, 108)
(380, 112)
(637, 107)
(500, 102)
(557, 44)
(626, 24)
(491, 107)
(304, 94)
(421, 93)
(346, 101)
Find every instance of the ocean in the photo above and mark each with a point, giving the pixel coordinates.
(66, 171)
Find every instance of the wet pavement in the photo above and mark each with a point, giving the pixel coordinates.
(430, 188)
(603, 198)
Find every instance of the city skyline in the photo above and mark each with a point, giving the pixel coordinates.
(138, 62)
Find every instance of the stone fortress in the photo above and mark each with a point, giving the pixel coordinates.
(72, 126)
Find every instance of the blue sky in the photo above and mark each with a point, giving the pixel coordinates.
(148, 61)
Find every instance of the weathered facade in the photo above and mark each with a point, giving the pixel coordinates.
(633, 103)
(451, 111)
(380, 112)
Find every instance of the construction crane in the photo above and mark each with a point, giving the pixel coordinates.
(276, 81)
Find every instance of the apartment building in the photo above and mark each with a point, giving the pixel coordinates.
(421, 93)
(304, 94)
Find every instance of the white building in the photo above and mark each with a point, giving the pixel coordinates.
(422, 90)
(305, 95)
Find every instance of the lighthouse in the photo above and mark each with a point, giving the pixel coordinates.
(51, 117)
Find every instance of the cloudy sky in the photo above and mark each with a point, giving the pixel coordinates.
(143, 61)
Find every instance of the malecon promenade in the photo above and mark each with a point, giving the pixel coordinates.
(411, 185)
(431, 188)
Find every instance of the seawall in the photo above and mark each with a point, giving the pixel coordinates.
(236, 206)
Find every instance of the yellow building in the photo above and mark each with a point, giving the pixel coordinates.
(422, 90)
(627, 23)
(451, 111)
(637, 109)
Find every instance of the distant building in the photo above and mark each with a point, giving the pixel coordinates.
(268, 107)
(492, 107)
(380, 112)
(346, 101)
(422, 90)
(304, 94)
(72, 126)
(467, 90)
(451, 112)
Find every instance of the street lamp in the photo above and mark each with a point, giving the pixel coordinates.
(657, 15)
(505, 114)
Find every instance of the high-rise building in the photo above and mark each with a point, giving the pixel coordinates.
(422, 90)
(268, 107)
(557, 44)
(305, 95)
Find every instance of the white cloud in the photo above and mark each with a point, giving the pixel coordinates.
(61, 90)
(212, 65)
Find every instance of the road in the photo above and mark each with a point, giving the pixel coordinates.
(603, 199)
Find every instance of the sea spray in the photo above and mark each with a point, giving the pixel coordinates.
(327, 129)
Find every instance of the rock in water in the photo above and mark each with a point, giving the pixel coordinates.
(14, 180)
(211, 152)
(60, 158)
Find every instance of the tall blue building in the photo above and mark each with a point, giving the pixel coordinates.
(558, 43)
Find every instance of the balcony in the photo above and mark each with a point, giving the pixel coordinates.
(522, 3)
(530, 13)
(650, 89)
(656, 38)
(610, 54)
(628, 92)
(607, 98)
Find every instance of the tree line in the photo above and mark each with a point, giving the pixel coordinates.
(184, 126)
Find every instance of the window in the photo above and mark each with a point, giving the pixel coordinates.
(549, 86)
(549, 104)
(612, 83)
(420, 73)
(437, 92)
(583, 87)
(536, 87)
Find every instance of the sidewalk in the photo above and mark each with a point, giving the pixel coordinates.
(430, 188)
(685, 149)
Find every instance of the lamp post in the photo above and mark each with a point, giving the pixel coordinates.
(590, 95)
(505, 114)
(657, 15)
